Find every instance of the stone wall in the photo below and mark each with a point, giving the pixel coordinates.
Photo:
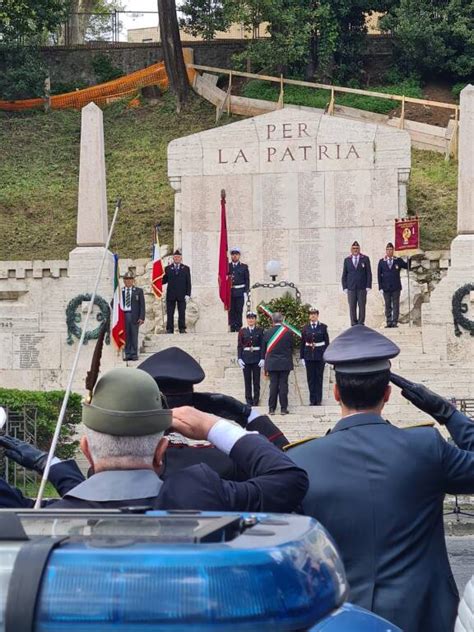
(74, 64)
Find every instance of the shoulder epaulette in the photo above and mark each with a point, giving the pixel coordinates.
(299, 442)
(422, 424)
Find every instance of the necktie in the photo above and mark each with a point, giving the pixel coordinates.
(356, 262)
(390, 261)
(176, 269)
(128, 298)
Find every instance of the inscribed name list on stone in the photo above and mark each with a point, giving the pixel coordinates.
(301, 187)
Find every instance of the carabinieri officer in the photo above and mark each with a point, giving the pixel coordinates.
(250, 358)
(240, 288)
(314, 341)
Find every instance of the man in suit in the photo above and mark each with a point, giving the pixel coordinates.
(278, 354)
(178, 278)
(240, 288)
(314, 341)
(356, 281)
(133, 302)
(250, 357)
(64, 475)
(388, 273)
(379, 489)
(125, 446)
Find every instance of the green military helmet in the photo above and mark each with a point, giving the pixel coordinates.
(126, 402)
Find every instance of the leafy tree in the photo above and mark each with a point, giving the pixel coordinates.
(433, 36)
(23, 75)
(173, 51)
(20, 19)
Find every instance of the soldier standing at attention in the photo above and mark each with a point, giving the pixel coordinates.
(250, 357)
(356, 280)
(133, 302)
(240, 287)
(178, 278)
(314, 341)
(388, 273)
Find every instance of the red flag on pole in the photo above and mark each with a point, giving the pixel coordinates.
(118, 316)
(224, 277)
(157, 271)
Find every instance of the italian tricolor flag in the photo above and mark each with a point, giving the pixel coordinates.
(275, 339)
(157, 272)
(118, 318)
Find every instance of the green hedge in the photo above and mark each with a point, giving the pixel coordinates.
(315, 98)
(47, 406)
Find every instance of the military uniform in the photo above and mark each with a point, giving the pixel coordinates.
(388, 273)
(356, 280)
(250, 353)
(379, 490)
(314, 341)
(127, 403)
(240, 287)
(133, 302)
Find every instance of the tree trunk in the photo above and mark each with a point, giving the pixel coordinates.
(172, 51)
(78, 24)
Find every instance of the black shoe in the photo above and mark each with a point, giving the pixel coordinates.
(169, 331)
(388, 325)
(271, 411)
(182, 331)
(395, 325)
(249, 402)
(134, 359)
(285, 411)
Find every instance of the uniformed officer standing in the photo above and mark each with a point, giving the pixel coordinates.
(388, 273)
(314, 341)
(356, 281)
(278, 353)
(133, 302)
(178, 278)
(124, 444)
(240, 289)
(379, 489)
(250, 357)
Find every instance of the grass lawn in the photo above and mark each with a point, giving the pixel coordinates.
(40, 166)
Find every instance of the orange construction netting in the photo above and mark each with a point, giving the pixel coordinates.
(101, 94)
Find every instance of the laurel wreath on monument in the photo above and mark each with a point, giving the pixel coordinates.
(459, 309)
(73, 318)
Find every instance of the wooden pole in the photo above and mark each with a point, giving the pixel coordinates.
(402, 114)
(331, 103)
(229, 93)
(282, 91)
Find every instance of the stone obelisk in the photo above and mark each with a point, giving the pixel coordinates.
(92, 223)
(442, 327)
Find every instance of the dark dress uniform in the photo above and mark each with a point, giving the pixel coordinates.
(278, 364)
(388, 274)
(250, 351)
(274, 484)
(178, 278)
(356, 279)
(240, 286)
(133, 312)
(314, 340)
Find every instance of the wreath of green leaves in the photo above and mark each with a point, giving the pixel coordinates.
(73, 318)
(459, 309)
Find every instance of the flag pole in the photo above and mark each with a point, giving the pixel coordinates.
(67, 393)
(408, 289)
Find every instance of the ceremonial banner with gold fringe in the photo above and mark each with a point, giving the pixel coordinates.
(224, 278)
(407, 236)
(157, 271)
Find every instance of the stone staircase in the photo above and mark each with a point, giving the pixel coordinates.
(216, 352)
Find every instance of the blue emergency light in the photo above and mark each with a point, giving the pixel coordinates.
(105, 571)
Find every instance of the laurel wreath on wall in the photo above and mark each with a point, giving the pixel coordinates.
(73, 318)
(459, 309)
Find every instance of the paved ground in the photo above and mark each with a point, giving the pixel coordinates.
(461, 556)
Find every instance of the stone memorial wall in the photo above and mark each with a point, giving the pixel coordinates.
(301, 187)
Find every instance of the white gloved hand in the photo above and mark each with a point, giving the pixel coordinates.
(246, 298)
(261, 364)
(345, 291)
(367, 289)
(302, 362)
(187, 298)
(381, 291)
(241, 363)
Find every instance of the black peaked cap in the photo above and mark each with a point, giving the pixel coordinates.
(173, 368)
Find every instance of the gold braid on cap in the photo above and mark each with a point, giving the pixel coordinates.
(93, 372)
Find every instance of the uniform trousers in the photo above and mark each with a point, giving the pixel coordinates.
(314, 374)
(235, 312)
(252, 378)
(170, 307)
(278, 388)
(392, 306)
(357, 298)
(131, 337)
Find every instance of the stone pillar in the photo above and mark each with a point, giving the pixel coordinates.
(466, 163)
(92, 225)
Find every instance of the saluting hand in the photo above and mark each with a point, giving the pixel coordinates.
(429, 402)
(192, 423)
